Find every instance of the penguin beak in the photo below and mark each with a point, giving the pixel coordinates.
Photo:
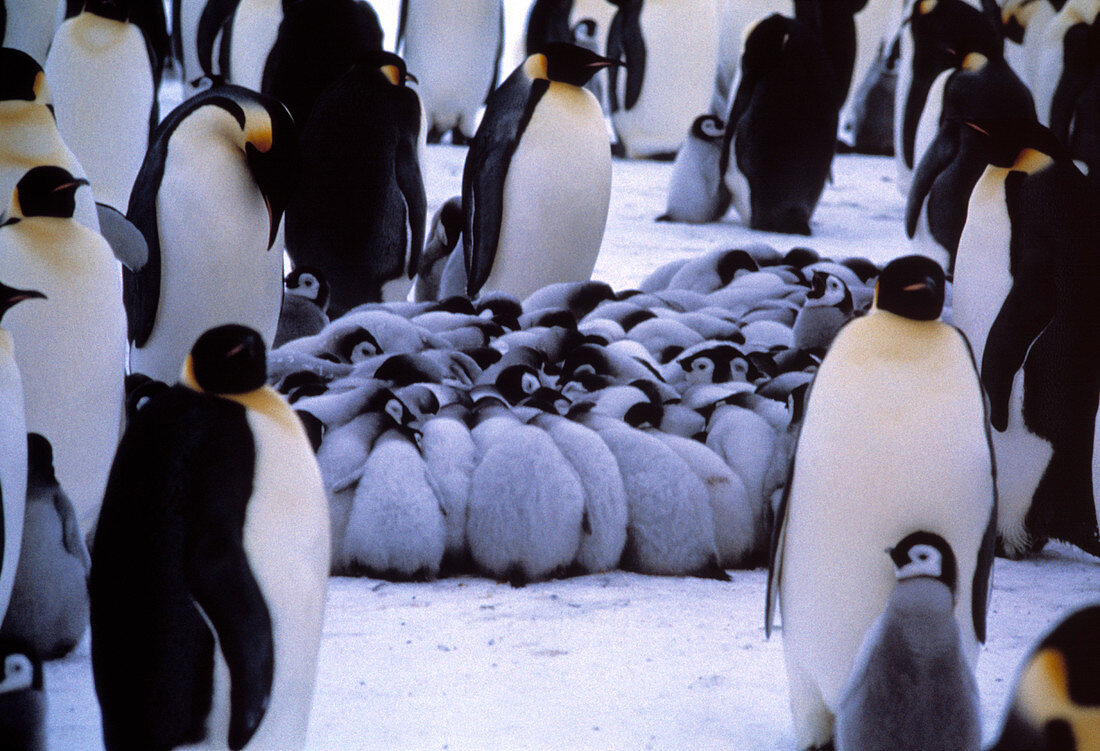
(411, 77)
(72, 185)
(919, 286)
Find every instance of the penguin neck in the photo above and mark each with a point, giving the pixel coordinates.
(1042, 691)
(29, 128)
(990, 185)
(264, 400)
(98, 34)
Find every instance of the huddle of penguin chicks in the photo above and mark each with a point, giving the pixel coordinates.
(578, 431)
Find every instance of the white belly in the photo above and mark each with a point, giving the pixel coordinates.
(982, 278)
(71, 349)
(286, 539)
(863, 455)
(102, 90)
(13, 466)
(28, 139)
(215, 264)
(677, 86)
(556, 196)
(255, 28)
(451, 48)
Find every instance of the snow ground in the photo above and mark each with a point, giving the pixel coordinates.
(611, 661)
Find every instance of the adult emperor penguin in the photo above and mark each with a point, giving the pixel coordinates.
(911, 688)
(537, 180)
(49, 603)
(71, 348)
(938, 33)
(208, 200)
(954, 160)
(28, 130)
(1057, 41)
(359, 211)
(13, 464)
(781, 129)
(215, 523)
(1023, 295)
(1075, 106)
(662, 90)
(104, 76)
(869, 447)
(453, 47)
(1055, 704)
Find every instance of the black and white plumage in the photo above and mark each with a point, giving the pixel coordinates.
(696, 191)
(304, 307)
(22, 697)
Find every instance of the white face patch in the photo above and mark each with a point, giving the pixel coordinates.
(739, 370)
(362, 351)
(924, 560)
(308, 286)
(529, 383)
(702, 371)
(18, 673)
(396, 410)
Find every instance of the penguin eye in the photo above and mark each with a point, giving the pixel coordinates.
(699, 366)
(833, 285)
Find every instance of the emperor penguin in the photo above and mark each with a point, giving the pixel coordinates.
(828, 307)
(317, 42)
(662, 89)
(696, 191)
(953, 161)
(49, 603)
(1057, 41)
(28, 130)
(870, 447)
(781, 129)
(1023, 281)
(104, 77)
(442, 258)
(13, 464)
(734, 20)
(359, 211)
(453, 48)
(938, 33)
(208, 200)
(210, 562)
(1055, 704)
(22, 697)
(305, 305)
(71, 348)
(1075, 106)
(245, 32)
(537, 180)
(911, 687)
(1024, 23)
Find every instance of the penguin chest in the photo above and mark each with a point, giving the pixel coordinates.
(556, 195)
(286, 540)
(982, 276)
(863, 453)
(13, 465)
(102, 88)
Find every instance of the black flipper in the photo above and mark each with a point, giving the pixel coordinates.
(1076, 72)
(411, 184)
(941, 152)
(625, 42)
(402, 23)
(983, 574)
(507, 113)
(213, 18)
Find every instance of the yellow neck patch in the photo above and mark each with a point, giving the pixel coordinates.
(1031, 161)
(975, 61)
(392, 74)
(264, 400)
(536, 67)
(257, 127)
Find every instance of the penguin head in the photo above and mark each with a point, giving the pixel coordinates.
(229, 359)
(10, 297)
(567, 63)
(20, 668)
(518, 382)
(1004, 140)
(718, 365)
(310, 283)
(925, 554)
(1015, 17)
(357, 346)
(46, 191)
(912, 287)
(1056, 702)
(390, 66)
(708, 128)
(828, 290)
(114, 10)
(22, 78)
(946, 30)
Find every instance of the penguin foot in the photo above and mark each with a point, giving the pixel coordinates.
(712, 570)
(516, 577)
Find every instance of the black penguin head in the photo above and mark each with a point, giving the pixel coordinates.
(567, 63)
(829, 290)
(449, 222)
(1003, 140)
(10, 297)
(912, 287)
(925, 554)
(115, 10)
(310, 283)
(46, 191)
(20, 667)
(22, 78)
(517, 382)
(230, 359)
(357, 346)
(708, 128)
(40, 460)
